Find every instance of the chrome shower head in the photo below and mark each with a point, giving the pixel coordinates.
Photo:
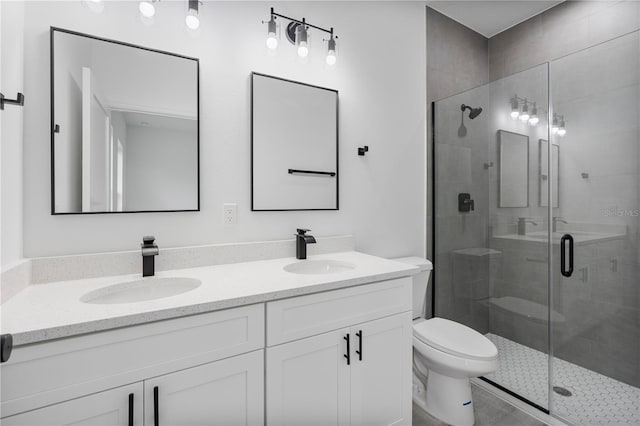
(473, 112)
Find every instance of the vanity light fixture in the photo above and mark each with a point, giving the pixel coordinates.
(272, 39)
(147, 9)
(533, 120)
(562, 130)
(331, 50)
(302, 39)
(192, 19)
(524, 115)
(554, 124)
(515, 110)
(297, 32)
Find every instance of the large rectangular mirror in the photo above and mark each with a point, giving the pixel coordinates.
(124, 127)
(514, 169)
(543, 178)
(294, 145)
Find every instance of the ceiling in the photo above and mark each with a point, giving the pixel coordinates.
(491, 17)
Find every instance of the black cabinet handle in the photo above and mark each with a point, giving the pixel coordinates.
(130, 409)
(156, 419)
(359, 351)
(348, 354)
(567, 272)
(6, 346)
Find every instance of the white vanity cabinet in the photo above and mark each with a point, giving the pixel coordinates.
(336, 357)
(115, 407)
(227, 393)
(211, 350)
(354, 375)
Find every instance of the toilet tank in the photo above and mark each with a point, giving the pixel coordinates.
(420, 282)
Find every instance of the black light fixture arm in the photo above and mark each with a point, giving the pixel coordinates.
(303, 22)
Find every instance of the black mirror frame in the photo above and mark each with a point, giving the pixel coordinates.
(53, 129)
(337, 172)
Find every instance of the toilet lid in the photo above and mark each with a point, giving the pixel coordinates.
(454, 338)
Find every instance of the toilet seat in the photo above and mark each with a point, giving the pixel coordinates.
(455, 339)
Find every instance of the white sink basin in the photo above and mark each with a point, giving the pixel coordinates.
(140, 290)
(316, 267)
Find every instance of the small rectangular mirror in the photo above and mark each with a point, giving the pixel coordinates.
(543, 177)
(294, 145)
(124, 127)
(514, 169)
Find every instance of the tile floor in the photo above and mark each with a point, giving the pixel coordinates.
(489, 409)
(595, 400)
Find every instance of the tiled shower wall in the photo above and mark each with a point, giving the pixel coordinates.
(457, 60)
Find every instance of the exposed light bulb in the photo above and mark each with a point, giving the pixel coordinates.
(533, 120)
(514, 108)
(562, 130)
(331, 58)
(303, 50)
(302, 40)
(524, 116)
(272, 40)
(331, 51)
(554, 125)
(192, 20)
(147, 9)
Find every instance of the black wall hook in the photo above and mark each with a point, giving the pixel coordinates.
(363, 150)
(18, 101)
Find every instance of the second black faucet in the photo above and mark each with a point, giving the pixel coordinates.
(302, 239)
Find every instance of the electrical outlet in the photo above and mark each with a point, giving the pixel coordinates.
(230, 213)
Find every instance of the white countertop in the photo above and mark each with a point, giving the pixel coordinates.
(54, 310)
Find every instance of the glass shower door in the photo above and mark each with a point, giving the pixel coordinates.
(595, 337)
(491, 268)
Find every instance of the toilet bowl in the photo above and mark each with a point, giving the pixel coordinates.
(446, 355)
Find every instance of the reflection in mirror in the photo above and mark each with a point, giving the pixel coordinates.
(514, 169)
(294, 145)
(124, 127)
(543, 178)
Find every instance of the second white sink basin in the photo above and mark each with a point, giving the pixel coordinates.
(140, 290)
(315, 267)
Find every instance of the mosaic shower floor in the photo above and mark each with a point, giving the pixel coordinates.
(595, 399)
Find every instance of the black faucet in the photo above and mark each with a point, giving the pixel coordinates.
(149, 251)
(302, 239)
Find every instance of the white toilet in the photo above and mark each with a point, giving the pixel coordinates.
(446, 355)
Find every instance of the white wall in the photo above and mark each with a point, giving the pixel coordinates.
(159, 169)
(381, 79)
(11, 82)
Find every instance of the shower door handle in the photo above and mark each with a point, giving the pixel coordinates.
(566, 272)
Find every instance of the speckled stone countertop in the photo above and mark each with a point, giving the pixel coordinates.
(54, 310)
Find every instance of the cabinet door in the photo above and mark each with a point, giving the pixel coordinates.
(227, 392)
(381, 381)
(308, 381)
(108, 408)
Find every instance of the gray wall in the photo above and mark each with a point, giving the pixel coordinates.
(567, 28)
(457, 60)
